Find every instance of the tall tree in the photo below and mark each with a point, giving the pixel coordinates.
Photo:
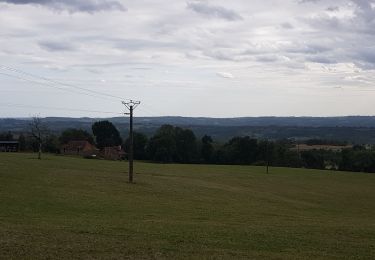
(186, 145)
(22, 142)
(140, 142)
(39, 132)
(162, 146)
(106, 134)
(173, 144)
(73, 134)
(7, 136)
(241, 150)
(207, 149)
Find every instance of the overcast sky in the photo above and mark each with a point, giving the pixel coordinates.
(214, 58)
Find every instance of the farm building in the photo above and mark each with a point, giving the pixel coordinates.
(83, 148)
(334, 148)
(113, 153)
(9, 146)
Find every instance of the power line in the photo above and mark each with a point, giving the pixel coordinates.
(49, 85)
(62, 86)
(58, 83)
(25, 76)
(58, 108)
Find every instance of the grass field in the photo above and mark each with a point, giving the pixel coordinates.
(71, 208)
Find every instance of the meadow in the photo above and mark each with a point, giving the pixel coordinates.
(73, 208)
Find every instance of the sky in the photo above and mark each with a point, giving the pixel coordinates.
(213, 58)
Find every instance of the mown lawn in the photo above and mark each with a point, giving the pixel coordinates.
(69, 208)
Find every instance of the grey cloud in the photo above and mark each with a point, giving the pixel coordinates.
(365, 9)
(89, 6)
(267, 58)
(326, 22)
(308, 1)
(367, 56)
(307, 49)
(346, 32)
(321, 59)
(333, 9)
(287, 26)
(220, 54)
(215, 11)
(136, 44)
(56, 46)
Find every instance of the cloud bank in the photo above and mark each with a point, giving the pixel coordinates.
(310, 57)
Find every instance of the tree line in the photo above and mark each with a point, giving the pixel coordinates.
(173, 144)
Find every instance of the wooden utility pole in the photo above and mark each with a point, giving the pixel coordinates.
(131, 105)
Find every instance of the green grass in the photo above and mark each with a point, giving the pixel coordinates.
(70, 208)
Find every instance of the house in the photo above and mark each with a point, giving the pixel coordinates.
(113, 153)
(82, 148)
(9, 146)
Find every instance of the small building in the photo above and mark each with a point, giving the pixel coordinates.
(9, 146)
(82, 148)
(113, 153)
(333, 148)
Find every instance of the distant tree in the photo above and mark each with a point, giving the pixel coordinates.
(220, 156)
(39, 132)
(140, 142)
(357, 160)
(22, 142)
(241, 150)
(73, 134)
(207, 149)
(313, 159)
(325, 142)
(7, 136)
(162, 146)
(106, 134)
(173, 144)
(186, 145)
(51, 144)
(265, 152)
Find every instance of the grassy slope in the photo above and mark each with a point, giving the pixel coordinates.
(64, 207)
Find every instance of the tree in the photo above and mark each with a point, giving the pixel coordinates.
(241, 150)
(140, 142)
(207, 149)
(106, 134)
(313, 159)
(22, 142)
(358, 160)
(73, 134)
(162, 146)
(173, 144)
(51, 144)
(7, 136)
(39, 132)
(186, 145)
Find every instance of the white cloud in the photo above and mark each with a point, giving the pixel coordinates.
(209, 10)
(226, 75)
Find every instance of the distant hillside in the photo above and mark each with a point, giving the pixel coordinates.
(356, 129)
